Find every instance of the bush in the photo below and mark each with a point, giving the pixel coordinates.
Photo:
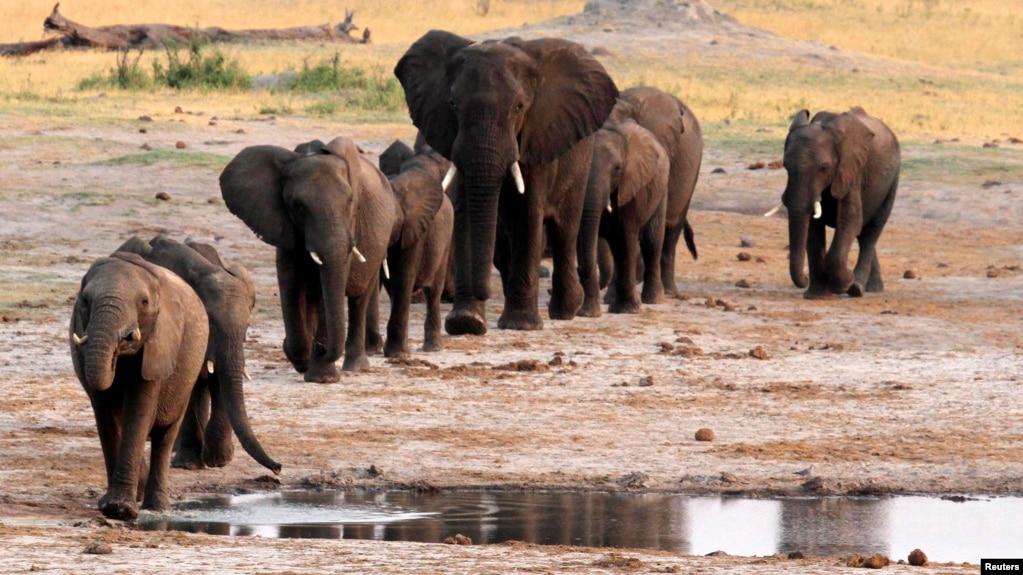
(358, 88)
(126, 75)
(203, 68)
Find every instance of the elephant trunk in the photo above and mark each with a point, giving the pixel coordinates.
(232, 377)
(100, 354)
(482, 188)
(799, 224)
(333, 283)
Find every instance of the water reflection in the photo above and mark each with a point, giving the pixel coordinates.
(947, 531)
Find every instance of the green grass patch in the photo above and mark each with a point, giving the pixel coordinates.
(373, 88)
(195, 159)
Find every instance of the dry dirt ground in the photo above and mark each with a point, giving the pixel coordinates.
(911, 391)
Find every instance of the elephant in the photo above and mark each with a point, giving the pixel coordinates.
(516, 117)
(678, 130)
(626, 200)
(392, 158)
(330, 214)
(217, 404)
(843, 171)
(138, 338)
(420, 247)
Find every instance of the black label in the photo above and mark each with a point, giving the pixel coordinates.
(1001, 566)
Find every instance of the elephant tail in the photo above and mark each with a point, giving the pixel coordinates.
(687, 233)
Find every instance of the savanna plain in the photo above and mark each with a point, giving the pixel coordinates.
(915, 390)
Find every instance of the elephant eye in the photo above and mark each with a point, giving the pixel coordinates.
(453, 104)
(519, 107)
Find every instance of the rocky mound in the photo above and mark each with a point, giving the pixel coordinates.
(658, 12)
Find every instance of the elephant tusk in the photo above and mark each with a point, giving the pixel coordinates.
(773, 211)
(358, 254)
(387, 270)
(609, 207)
(135, 335)
(448, 177)
(316, 258)
(245, 372)
(209, 366)
(79, 340)
(817, 210)
(516, 173)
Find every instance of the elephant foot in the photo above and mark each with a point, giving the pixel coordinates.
(465, 322)
(591, 308)
(375, 344)
(875, 286)
(187, 459)
(298, 358)
(669, 287)
(653, 295)
(624, 307)
(565, 303)
(433, 344)
(395, 350)
(817, 294)
(855, 290)
(218, 456)
(522, 320)
(355, 362)
(157, 502)
(117, 508)
(322, 372)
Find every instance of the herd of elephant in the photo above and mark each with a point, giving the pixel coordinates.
(524, 145)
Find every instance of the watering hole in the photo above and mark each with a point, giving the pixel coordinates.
(953, 529)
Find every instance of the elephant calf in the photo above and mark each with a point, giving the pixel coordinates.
(138, 339)
(420, 243)
(843, 171)
(626, 198)
(218, 401)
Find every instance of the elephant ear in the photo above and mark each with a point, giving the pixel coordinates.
(252, 186)
(393, 157)
(310, 148)
(135, 245)
(420, 195)
(574, 97)
(802, 118)
(645, 160)
(207, 251)
(422, 72)
(853, 139)
(347, 150)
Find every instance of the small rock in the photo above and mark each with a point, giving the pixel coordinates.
(556, 361)
(757, 165)
(776, 164)
(163, 196)
(375, 471)
(992, 144)
(545, 272)
(728, 478)
(717, 554)
(856, 560)
(990, 184)
(724, 305)
(744, 257)
(240, 131)
(213, 200)
(877, 561)
(909, 275)
(213, 122)
(747, 242)
(146, 147)
(646, 381)
(180, 145)
(796, 555)
(758, 352)
(145, 118)
(718, 171)
(992, 273)
(458, 539)
(742, 284)
(705, 434)
(98, 548)
(760, 260)
(917, 558)
(666, 347)
(143, 131)
(178, 110)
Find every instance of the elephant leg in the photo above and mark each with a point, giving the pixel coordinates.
(374, 341)
(816, 245)
(355, 345)
(625, 247)
(468, 315)
(108, 416)
(218, 447)
(868, 270)
(162, 443)
(321, 370)
(404, 265)
(293, 285)
(668, 249)
(566, 290)
(523, 227)
(651, 242)
(588, 254)
(432, 337)
(848, 225)
(140, 403)
(191, 439)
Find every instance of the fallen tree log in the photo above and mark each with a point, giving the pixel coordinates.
(142, 36)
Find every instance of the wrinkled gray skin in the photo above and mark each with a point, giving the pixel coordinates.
(138, 340)
(328, 201)
(849, 162)
(628, 174)
(677, 129)
(217, 405)
(487, 106)
(393, 157)
(420, 245)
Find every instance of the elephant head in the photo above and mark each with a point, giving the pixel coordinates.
(394, 156)
(228, 294)
(305, 204)
(491, 106)
(825, 159)
(122, 310)
(626, 159)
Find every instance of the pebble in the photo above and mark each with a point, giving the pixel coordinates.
(705, 434)
(180, 145)
(917, 558)
(164, 196)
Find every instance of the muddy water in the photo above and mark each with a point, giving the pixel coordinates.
(946, 530)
